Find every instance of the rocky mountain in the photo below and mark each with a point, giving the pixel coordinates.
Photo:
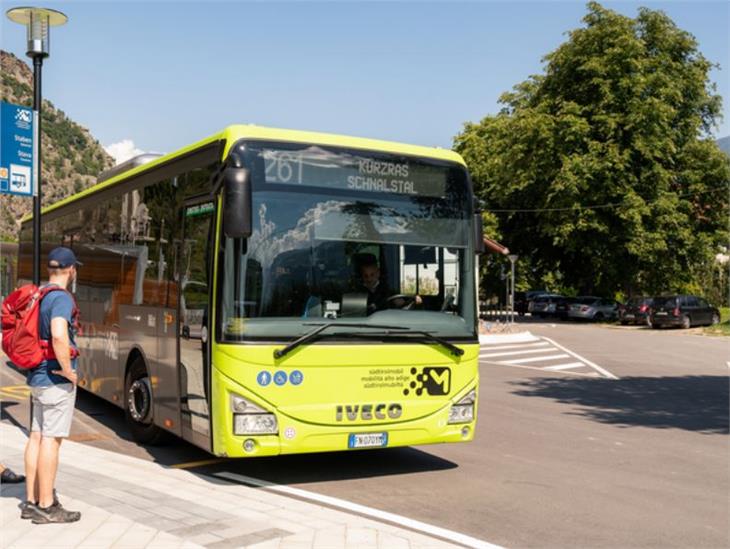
(72, 158)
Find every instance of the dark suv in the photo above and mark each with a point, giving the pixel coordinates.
(682, 310)
(636, 311)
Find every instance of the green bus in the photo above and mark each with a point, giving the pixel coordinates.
(223, 300)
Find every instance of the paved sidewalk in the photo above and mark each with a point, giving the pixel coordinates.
(131, 503)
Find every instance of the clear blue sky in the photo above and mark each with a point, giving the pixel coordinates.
(165, 74)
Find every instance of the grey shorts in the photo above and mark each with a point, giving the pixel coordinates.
(53, 409)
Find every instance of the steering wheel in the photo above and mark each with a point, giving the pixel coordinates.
(409, 299)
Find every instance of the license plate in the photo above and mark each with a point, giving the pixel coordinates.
(629, 316)
(367, 440)
(660, 313)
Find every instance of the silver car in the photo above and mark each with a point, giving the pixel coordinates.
(544, 305)
(593, 308)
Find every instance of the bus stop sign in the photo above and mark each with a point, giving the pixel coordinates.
(16, 150)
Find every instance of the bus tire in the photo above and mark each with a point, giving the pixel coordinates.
(138, 405)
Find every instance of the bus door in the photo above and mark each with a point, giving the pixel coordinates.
(193, 329)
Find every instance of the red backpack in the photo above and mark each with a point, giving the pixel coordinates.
(20, 323)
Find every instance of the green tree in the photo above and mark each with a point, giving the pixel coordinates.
(602, 171)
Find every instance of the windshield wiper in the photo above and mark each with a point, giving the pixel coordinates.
(428, 335)
(396, 331)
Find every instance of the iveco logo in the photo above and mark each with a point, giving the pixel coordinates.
(367, 412)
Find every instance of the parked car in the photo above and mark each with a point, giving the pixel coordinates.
(544, 305)
(521, 303)
(562, 307)
(682, 310)
(593, 308)
(635, 311)
(525, 303)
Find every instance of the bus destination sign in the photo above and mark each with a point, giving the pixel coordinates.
(317, 167)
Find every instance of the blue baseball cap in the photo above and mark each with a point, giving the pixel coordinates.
(60, 258)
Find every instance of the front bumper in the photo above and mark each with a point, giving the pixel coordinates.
(296, 437)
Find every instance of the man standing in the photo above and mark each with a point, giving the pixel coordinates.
(53, 392)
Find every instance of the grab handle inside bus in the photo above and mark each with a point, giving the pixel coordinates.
(479, 247)
(237, 222)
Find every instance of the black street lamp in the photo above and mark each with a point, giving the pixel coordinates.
(38, 21)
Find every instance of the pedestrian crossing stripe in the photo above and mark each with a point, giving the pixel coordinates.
(531, 354)
(517, 346)
(564, 366)
(537, 359)
(507, 353)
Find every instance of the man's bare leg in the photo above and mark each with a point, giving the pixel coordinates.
(32, 451)
(47, 468)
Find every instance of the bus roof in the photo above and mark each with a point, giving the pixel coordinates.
(249, 131)
(232, 134)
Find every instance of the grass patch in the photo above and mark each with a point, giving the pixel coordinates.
(722, 329)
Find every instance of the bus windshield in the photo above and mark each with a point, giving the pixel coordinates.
(351, 237)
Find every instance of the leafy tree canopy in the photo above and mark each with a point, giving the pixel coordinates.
(602, 172)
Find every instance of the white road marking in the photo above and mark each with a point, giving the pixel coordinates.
(512, 355)
(507, 353)
(536, 359)
(539, 369)
(376, 514)
(596, 367)
(520, 346)
(565, 366)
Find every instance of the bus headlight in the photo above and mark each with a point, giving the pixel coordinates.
(250, 419)
(463, 411)
(255, 424)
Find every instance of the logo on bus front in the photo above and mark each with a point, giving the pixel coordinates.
(433, 380)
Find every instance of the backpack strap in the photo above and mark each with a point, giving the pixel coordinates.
(46, 346)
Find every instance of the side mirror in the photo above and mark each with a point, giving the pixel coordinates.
(237, 203)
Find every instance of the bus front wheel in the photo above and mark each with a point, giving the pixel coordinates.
(138, 407)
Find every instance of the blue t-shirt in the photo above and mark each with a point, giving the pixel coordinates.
(56, 304)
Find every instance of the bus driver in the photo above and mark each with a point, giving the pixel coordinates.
(380, 297)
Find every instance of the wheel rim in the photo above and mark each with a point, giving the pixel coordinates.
(139, 400)
(715, 319)
(685, 322)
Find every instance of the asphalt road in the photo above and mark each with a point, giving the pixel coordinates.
(559, 460)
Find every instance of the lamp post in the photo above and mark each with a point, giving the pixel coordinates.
(512, 259)
(37, 21)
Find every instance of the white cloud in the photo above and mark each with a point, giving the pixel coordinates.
(124, 150)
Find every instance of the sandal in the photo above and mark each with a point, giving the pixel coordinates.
(8, 477)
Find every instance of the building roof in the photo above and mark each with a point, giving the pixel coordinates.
(495, 247)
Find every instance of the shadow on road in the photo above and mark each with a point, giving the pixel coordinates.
(5, 416)
(334, 466)
(692, 403)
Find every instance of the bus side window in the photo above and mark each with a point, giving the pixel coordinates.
(194, 269)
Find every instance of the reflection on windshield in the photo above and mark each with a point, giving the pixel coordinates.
(295, 268)
(334, 255)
